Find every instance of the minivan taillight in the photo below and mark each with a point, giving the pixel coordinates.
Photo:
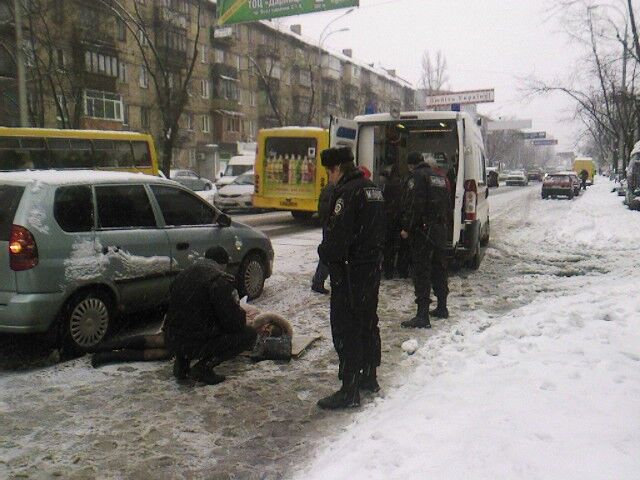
(470, 199)
(23, 251)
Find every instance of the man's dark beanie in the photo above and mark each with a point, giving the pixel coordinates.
(336, 156)
(218, 255)
(414, 158)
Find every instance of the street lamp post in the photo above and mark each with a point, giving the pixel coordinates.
(321, 41)
(21, 73)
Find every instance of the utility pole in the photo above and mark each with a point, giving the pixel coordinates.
(22, 76)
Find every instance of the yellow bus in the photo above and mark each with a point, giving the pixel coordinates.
(585, 163)
(288, 174)
(48, 148)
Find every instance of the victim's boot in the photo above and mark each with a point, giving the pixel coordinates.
(441, 311)
(203, 372)
(369, 380)
(347, 397)
(181, 367)
(421, 320)
(131, 343)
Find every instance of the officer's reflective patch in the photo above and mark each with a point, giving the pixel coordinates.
(337, 210)
(373, 195)
(410, 184)
(437, 181)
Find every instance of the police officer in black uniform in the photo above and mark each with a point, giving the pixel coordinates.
(424, 223)
(352, 247)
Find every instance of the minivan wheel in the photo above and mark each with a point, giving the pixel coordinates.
(251, 276)
(86, 320)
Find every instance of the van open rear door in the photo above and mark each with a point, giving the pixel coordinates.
(343, 133)
(457, 209)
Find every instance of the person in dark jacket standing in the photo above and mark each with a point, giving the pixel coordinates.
(424, 224)
(352, 247)
(322, 270)
(205, 321)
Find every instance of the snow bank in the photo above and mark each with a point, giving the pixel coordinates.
(549, 390)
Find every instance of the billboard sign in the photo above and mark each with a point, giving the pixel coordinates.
(534, 135)
(461, 98)
(544, 143)
(238, 11)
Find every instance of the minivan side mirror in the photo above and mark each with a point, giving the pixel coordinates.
(224, 220)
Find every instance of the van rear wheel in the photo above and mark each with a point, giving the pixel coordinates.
(86, 320)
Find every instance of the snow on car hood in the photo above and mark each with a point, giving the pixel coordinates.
(236, 190)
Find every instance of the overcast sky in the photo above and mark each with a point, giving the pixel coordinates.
(487, 43)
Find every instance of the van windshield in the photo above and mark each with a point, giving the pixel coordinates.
(10, 196)
(235, 170)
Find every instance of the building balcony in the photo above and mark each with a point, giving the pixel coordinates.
(224, 70)
(265, 51)
(225, 104)
(96, 35)
(173, 58)
(222, 36)
(168, 17)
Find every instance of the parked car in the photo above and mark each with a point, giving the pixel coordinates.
(517, 177)
(575, 180)
(238, 195)
(493, 177)
(78, 248)
(557, 184)
(192, 180)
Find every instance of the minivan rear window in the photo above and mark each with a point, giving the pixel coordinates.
(10, 196)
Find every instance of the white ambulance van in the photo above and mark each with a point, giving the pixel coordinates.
(382, 141)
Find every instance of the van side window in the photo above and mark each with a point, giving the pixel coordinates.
(124, 206)
(483, 169)
(70, 153)
(141, 155)
(73, 208)
(182, 208)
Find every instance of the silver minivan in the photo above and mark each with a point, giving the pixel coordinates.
(79, 247)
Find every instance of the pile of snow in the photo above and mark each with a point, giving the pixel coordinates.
(549, 390)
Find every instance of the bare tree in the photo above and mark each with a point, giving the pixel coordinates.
(434, 72)
(169, 61)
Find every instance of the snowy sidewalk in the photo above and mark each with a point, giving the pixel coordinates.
(548, 390)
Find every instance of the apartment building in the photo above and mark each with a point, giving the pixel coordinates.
(91, 68)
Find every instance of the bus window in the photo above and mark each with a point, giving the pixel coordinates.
(103, 154)
(124, 155)
(70, 153)
(33, 153)
(10, 159)
(141, 155)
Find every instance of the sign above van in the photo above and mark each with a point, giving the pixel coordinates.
(544, 143)
(461, 98)
(239, 11)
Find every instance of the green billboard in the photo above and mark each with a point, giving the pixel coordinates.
(238, 11)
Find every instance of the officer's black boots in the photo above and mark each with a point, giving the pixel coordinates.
(347, 397)
(203, 372)
(369, 380)
(181, 367)
(421, 320)
(441, 311)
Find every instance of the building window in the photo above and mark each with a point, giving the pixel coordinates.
(304, 77)
(145, 117)
(144, 77)
(203, 53)
(253, 98)
(232, 124)
(142, 38)
(125, 114)
(62, 105)
(100, 63)
(121, 29)
(187, 121)
(103, 105)
(122, 72)
(192, 157)
(59, 58)
(206, 123)
(218, 55)
(205, 88)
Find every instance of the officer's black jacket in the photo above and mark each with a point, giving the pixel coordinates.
(356, 226)
(426, 203)
(203, 302)
(324, 203)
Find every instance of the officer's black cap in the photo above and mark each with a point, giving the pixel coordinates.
(414, 158)
(336, 156)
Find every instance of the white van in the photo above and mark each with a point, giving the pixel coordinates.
(381, 142)
(237, 166)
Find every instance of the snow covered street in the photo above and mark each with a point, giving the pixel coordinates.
(550, 389)
(535, 375)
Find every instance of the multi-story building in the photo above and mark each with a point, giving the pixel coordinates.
(91, 68)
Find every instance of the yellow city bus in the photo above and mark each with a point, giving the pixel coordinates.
(585, 163)
(288, 174)
(48, 148)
